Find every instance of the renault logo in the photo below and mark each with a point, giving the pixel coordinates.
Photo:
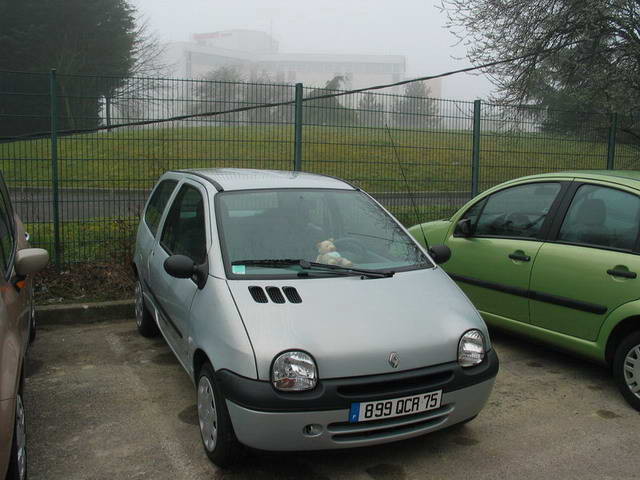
(394, 359)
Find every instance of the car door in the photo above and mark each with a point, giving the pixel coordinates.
(184, 232)
(14, 306)
(591, 264)
(493, 264)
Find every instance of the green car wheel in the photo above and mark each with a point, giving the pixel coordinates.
(626, 369)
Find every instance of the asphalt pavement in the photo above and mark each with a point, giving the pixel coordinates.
(105, 403)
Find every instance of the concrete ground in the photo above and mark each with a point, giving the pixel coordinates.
(105, 403)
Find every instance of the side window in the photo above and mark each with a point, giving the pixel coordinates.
(602, 217)
(184, 228)
(7, 232)
(157, 203)
(515, 212)
(7, 227)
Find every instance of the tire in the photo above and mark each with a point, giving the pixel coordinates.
(626, 369)
(145, 322)
(216, 431)
(18, 457)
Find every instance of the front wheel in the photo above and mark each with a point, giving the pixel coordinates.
(144, 320)
(216, 430)
(18, 458)
(626, 369)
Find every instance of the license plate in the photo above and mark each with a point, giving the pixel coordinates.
(396, 407)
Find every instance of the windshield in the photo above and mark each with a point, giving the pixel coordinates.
(260, 228)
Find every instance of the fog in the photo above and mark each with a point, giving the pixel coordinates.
(412, 28)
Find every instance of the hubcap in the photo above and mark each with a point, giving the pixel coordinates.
(632, 370)
(21, 437)
(139, 304)
(207, 414)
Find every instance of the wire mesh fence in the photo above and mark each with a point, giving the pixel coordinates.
(81, 153)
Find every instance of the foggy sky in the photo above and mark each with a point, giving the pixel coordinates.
(413, 28)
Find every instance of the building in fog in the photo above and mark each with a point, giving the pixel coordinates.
(255, 53)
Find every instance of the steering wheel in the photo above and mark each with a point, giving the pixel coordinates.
(351, 245)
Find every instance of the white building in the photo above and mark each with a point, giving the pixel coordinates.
(254, 53)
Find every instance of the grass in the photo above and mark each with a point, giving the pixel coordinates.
(433, 160)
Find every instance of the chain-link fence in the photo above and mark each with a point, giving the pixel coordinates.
(81, 153)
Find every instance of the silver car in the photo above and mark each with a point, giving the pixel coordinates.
(306, 315)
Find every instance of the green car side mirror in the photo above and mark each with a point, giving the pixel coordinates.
(463, 228)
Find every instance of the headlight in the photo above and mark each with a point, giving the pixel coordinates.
(471, 348)
(293, 372)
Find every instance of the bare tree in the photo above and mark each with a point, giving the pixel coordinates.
(595, 45)
(585, 54)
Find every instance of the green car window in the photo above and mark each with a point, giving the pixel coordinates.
(157, 203)
(517, 211)
(602, 217)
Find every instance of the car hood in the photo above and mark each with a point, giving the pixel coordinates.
(351, 326)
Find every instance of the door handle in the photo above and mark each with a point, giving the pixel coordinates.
(621, 273)
(519, 256)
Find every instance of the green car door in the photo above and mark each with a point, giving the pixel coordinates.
(493, 258)
(590, 265)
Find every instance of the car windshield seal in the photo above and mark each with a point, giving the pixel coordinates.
(307, 265)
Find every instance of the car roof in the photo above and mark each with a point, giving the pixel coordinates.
(625, 177)
(247, 179)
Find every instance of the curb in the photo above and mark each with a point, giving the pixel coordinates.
(84, 313)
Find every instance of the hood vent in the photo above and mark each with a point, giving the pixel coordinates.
(292, 294)
(258, 294)
(275, 294)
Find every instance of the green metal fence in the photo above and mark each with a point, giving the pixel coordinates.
(80, 164)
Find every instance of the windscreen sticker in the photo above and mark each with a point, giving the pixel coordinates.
(238, 269)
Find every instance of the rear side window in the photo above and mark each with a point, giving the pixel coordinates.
(7, 229)
(157, 203)
(514, 212)
(602, 217)
(184, 229)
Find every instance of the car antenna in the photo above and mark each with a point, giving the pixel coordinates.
(406, 183)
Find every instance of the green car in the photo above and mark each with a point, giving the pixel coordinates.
(555, 257)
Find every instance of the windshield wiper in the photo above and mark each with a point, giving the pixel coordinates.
(307, 265)
(344, 270)
(268, 262)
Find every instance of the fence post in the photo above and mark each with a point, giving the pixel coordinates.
(297, 147)
(475, 159)
(53, 90)
(107, 106)
(611, 146)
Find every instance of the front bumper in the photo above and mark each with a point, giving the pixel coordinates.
(277, 421)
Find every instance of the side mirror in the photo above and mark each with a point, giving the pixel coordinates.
(440, 253)
(463, 228)
(181, 266)
(31, 260)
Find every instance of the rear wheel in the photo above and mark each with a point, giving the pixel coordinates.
(18, 459)
(626, 369)
(144, 320)
(216, 430)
